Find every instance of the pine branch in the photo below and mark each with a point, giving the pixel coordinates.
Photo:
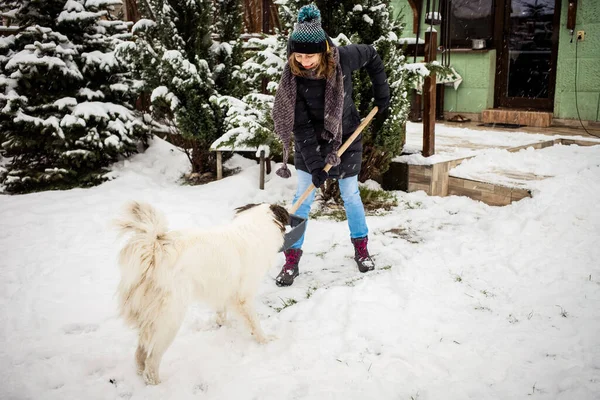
(149, 10)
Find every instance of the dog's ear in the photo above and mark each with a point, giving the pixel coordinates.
(281, 215)
(245, 208)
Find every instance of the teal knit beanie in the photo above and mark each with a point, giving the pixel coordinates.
(308, 37)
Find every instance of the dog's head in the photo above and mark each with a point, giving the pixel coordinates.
(279, 214)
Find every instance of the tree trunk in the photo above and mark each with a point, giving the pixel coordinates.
(260, 16)
(132, 13)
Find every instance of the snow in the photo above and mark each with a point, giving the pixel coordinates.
(120, 87)
(453, 143)
(101, 110)
(7, 42)
(169, 97)
(223, 46)
(240, 134)
(176, 58)
(467, 301)
(76, 16)
(527, 167)
(70, 120)
(51, 121)
(11, 97)
(91, 94)
(73, 5)
(28, 58)
(142, 25)
(101, 3)
(65, 102)
(100, 59)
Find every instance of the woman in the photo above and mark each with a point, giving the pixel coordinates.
(314, 101)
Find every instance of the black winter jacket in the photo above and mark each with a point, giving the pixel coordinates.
(310, 149)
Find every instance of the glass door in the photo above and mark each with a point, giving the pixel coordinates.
(527, 53)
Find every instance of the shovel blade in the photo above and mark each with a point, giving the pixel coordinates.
(298, 225)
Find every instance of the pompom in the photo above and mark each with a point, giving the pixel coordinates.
(309, 13)
(284, 172)
(333, 159)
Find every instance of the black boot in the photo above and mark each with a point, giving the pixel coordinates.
(361, 254)
(290, 268)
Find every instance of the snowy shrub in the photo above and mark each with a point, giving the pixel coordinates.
(65, 101)
(187, 54)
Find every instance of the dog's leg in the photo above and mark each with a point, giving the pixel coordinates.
(246, 310)
(140, 358)
(165, 328)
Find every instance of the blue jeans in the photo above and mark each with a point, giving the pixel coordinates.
(355, 211)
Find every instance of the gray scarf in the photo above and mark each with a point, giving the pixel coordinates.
(285, 105)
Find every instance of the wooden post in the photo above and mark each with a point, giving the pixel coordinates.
(219, 165)
(261, 178)
(429, 97)
(416, 107)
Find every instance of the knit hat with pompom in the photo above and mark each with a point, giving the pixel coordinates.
(308, 37)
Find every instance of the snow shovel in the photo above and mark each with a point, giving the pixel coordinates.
(298, 223)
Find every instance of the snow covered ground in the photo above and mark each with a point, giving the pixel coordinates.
(453, 142)
(468, 301)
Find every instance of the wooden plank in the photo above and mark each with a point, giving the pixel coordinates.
(414, 187)
(455, 183)
(425, 170)
(495, 199)
(473, 194)
(439, 183)
(219, 165)
(429, 97)
(261, 177)
(536, 146)
(503, 190)
(567, 142)
(426, 180)
(519, 194)
(479, 186)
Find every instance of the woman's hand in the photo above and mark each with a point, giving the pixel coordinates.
(380, 117)
(319, 177)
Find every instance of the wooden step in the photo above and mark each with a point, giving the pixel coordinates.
(489, 193)
(539, 119)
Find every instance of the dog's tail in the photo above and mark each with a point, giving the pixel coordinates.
(143, 220)
(145, 262)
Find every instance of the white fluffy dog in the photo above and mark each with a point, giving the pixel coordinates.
(163, 271)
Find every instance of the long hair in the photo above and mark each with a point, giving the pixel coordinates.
(324, 70)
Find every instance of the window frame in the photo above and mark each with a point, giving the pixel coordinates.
(464, 43)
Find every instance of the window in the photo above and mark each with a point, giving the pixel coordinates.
(471, 19)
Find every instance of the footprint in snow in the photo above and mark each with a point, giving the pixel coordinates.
(77, 329)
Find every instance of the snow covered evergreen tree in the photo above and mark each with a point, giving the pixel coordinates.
(228, 51)
(187, 53)
(65, 101)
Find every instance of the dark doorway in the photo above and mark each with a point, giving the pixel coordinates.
(527, 47)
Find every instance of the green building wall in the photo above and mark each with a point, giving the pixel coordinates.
(588, 64)
(477, 68)
(476, 92)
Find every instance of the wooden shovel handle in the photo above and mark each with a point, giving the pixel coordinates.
(340, 151)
